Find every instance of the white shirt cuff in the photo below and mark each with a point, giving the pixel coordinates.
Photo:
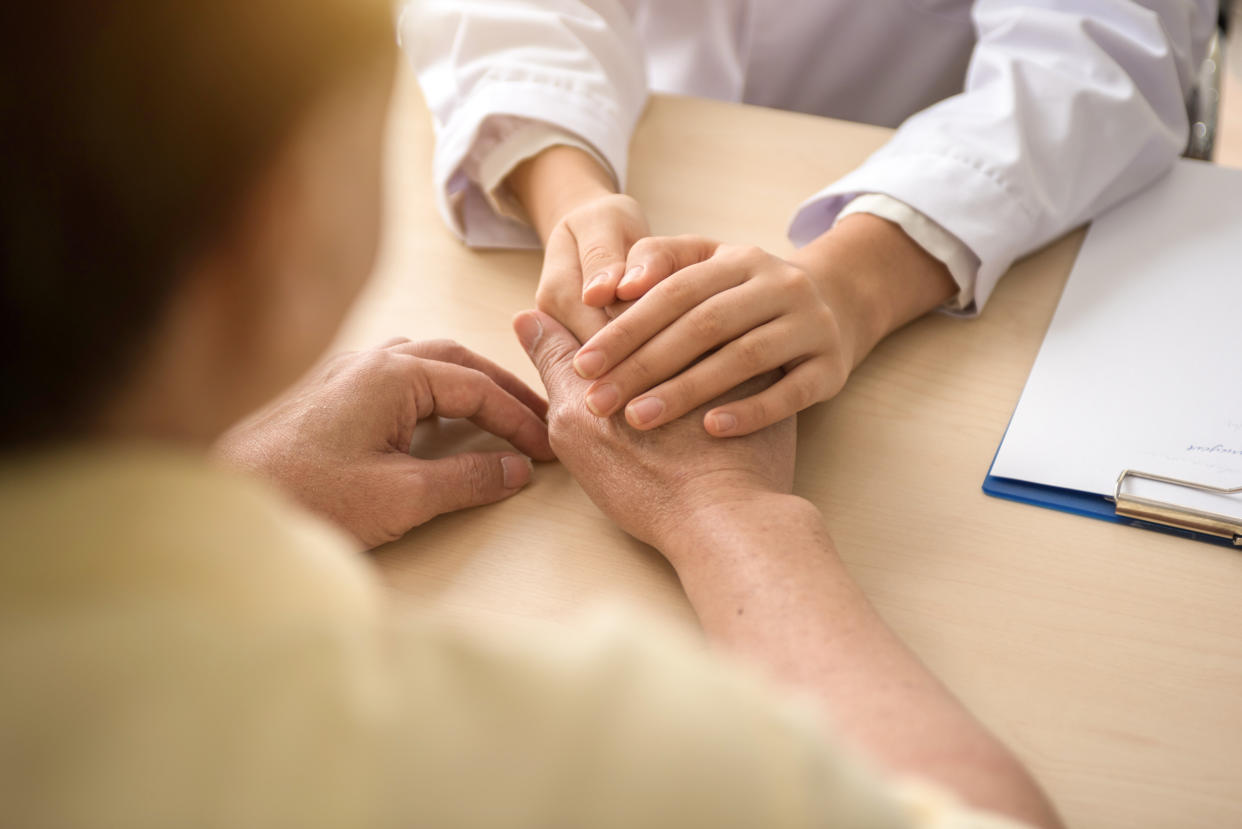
(942, 245)
(504, 142)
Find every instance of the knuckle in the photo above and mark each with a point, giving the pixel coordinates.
(637, 370)
(794, 281)
(620, 334)
(647, 247)
(663, 262)
(553, 361)
(566, 424)
(801, 395)
(545, 304)
(677, 291)
(473, 381)
(742, 255)
(707, 322)
(544, 294)
(555, 301)
(752, 353)
(596, 255)
(682, 395)
(374, 366)
(757, 413)
(636, 373)
(445, 349)
(478, 477)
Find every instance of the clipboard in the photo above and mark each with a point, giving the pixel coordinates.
(1124, 507)
(1132, 412)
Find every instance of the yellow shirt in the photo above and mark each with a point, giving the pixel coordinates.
(180, 647)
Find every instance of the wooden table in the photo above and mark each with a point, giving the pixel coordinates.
(1109, 658)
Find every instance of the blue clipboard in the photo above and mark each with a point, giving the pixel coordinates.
(1103, 507)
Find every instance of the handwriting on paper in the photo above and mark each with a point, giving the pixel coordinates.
(1214, 449)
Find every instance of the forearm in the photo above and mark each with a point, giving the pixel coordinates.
(556, 181)
(875, 277)
(765, 580)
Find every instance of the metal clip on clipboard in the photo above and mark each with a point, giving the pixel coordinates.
(1171, 515)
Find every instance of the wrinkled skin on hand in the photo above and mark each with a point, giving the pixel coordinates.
(339, 441)
(648, 482)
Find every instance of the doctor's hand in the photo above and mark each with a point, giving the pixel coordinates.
(587, 229)
(709, 316)
(584, 259)
(651, 483)
(339, 441)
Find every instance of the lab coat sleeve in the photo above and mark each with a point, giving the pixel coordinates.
(1069, 107)
(576, 65)
(504, 144)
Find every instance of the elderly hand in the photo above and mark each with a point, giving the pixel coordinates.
(340, 440)
(650, 483)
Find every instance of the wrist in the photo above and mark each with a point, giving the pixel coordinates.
(874, 277)
(555, 182)
(740, 522)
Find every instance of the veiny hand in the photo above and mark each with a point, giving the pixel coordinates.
(650, 483)
(585, 259)
(339, 441)
(747, 310)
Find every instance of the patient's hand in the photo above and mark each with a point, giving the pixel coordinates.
(650, 483)
(339, 441)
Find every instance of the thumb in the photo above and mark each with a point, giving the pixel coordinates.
(602, 259)
(467, 480)
(551, 347)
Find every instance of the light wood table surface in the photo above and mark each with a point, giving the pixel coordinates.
(1109, 658)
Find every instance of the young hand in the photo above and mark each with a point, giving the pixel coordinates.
(585, 258)
(742, 310)
(706, 316)
(339, 441)
(587, 229)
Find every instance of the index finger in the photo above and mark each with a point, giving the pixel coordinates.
(458, 391)
(449, 351)
(650, 315)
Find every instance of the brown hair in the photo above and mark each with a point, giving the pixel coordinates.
(133, 129)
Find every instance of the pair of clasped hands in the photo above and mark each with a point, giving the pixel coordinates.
(673, 367)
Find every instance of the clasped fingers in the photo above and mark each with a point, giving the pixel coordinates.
(708, 328)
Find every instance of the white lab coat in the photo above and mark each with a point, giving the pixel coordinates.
(1019, 119)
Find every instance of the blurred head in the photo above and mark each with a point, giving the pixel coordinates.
(191, 202)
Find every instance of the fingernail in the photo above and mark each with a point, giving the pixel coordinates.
(589, 364)
(603, 400)
(599, 279)
(723, 423)
(529, 331)
(631, 276)
(517, 471)
(646, 410)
